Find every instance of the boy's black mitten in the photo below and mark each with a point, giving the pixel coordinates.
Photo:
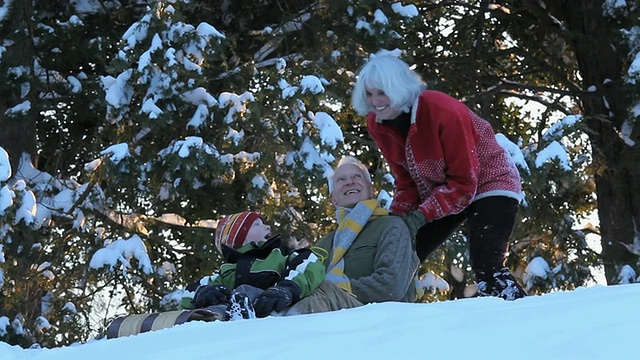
(277, 298)
(207, 295)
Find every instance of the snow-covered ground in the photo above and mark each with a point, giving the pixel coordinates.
(599, 322)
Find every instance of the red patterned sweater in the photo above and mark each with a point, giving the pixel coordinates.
(449, 159)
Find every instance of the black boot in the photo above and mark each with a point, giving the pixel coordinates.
(240, 307)
(500, 284)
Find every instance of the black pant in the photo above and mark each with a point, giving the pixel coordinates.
(490, 223)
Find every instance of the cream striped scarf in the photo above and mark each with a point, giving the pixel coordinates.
(350, 223)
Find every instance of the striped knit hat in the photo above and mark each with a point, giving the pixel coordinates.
(232, 230)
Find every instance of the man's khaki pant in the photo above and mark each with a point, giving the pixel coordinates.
(327, 297)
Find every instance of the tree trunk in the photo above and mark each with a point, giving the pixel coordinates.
(599, 55)
(17, 134)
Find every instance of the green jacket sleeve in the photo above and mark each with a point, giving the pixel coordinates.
(305, 269)
(185, 302)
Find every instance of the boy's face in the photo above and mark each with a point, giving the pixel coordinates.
(258, 231)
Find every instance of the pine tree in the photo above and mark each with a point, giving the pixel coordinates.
(145, 123)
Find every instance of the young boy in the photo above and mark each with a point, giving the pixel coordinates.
(258, 270)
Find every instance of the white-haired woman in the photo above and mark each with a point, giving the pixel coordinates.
(447, 164)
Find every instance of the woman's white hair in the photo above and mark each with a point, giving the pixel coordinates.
(390, 74)
(351, 161)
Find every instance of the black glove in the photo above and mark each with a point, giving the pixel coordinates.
(277, 298)
(207, 295)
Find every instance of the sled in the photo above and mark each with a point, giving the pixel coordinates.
(140, 323)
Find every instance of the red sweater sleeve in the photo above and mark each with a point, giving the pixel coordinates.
(455, 138)
(406, 197)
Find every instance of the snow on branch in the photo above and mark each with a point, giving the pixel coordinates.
(123, 250)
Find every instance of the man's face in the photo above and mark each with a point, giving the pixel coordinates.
(350, 186)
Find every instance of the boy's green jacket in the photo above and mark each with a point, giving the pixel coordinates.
(265, 264)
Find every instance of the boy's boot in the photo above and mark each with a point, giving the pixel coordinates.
(240, 307)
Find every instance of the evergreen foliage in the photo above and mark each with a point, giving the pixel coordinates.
(221, 110)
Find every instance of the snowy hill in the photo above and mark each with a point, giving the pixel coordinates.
(599, 322)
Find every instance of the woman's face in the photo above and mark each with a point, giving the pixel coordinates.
(381, 104)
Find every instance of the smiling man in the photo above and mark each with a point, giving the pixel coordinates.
(350, 184)
(371, 253)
